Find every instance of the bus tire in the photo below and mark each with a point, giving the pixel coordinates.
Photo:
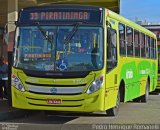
(137, 99)
(114, 111)
(144, 98)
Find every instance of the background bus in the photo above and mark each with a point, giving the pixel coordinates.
(81, 58)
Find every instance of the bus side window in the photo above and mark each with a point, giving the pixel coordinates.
(137, 43)
(155, 49)
(129, 39)
(122, 42)
(152, 48)
(142, 37)
(147, 47)
(111, 49)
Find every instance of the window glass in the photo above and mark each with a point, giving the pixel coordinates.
(147, 46)
(155, 48)
(152, 48)
(129, 37)
(136, 43)
(122, 39)
(142, 45)
(47, 50)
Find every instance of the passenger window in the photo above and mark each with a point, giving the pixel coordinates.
(147, 47)
(142, 45)
(129, 39)
(122, 39)
(155, 48)
(136, 43)
(152, 48)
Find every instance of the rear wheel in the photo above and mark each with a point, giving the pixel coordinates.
(137, 99)
(114, 111)
(144, 98)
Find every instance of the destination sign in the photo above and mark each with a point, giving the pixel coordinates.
(49, 16)
(59, 16)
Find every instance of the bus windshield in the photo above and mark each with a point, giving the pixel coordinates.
(45, 49)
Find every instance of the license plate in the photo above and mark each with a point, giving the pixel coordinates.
(54, 101)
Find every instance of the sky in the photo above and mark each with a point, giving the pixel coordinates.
(148, 10)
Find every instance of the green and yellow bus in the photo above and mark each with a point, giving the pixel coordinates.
(81, 58)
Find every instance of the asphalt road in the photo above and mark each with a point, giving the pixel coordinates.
(131, 116)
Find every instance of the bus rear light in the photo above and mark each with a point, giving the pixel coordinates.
(95, 85)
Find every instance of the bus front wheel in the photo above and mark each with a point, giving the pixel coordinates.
(114, 111)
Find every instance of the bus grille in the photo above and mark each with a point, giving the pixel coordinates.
(49, 89)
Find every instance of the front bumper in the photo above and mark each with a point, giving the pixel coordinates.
(79, 103)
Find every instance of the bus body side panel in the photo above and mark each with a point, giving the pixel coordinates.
(130, 77)
(135, 74)
(158, 82)
(133, 71)
(135, 86)
(111, 91)
(158, 77)
(153, 74)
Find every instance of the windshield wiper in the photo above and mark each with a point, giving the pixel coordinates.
(72, 33)
(43, 32)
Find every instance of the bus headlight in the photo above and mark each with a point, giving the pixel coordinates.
(95, 85)
(16, 82)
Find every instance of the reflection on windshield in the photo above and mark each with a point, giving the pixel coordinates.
(83, 52)
(45, 34)
(71, 33)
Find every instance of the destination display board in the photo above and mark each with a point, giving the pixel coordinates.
(55, 15)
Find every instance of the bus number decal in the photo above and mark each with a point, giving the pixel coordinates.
(143, 72)
(129, 74)
(59, 16)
